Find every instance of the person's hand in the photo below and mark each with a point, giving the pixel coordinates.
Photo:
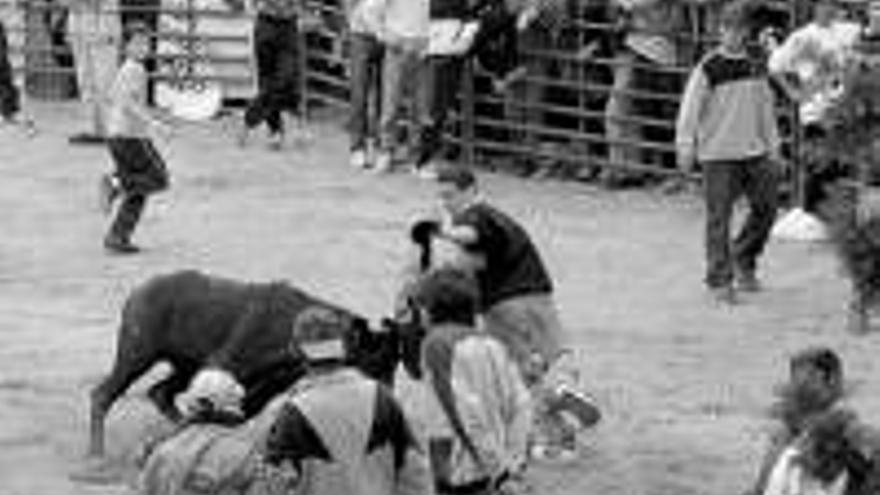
(588, 51)
(526, 17)
(310, 21)
(686, 162)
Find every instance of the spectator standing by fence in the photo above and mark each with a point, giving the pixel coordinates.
(727, 123)
(647, 52)
(388, 37)
(276, 49)
(500, 23)
(816, 55)
(93, 31)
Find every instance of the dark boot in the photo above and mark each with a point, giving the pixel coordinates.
(118, 240)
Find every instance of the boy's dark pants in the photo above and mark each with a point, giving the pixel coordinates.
(440, 89)
(141, 172)
(9, 97)
(725, 182)
(276, 50)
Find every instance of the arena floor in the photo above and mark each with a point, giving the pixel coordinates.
(683, 384)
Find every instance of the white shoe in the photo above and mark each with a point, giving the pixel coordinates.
(426, 172)
(276, 141)
(577, 408)
(300, 130)
(383, 162)
(359, 159)
(547, 453)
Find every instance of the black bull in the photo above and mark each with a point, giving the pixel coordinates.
(192, 320)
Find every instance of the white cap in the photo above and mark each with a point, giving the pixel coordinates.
(215, 386)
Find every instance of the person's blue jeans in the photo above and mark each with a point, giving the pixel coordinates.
(725, 182)
(365, 71)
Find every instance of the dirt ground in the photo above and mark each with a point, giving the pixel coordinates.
(683, 384)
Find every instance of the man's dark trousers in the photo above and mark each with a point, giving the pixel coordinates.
(725, 182)
(275, 42)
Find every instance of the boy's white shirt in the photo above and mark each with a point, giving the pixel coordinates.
(818, 56)
(789, 478)
(374, 18)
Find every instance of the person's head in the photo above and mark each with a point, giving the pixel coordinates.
(825, 11)
(457, 187)
(815, 384)
(319, 337)
(734, 25)
(817, 371)
(448, 295)
(137, 41)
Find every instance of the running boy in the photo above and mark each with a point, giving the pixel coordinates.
(139, 170)
(727, 123)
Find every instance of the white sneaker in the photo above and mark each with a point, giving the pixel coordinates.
(276, 141)
(359, 159)
(426, 172)
(577, 407)
(383, 162)
(547, 453)
(300, 130)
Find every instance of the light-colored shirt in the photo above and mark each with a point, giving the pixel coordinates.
(789, 478)
(345, 434)
(129, 90)
(473, 373)
(818, 56)
(727, 112)
(402, 23)
(652, 29)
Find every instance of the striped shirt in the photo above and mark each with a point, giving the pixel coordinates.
(279, 8)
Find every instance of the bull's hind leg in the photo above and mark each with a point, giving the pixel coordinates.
(132, 360)
(164, 391)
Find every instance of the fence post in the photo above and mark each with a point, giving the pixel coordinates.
(469, 114)
(302, 73)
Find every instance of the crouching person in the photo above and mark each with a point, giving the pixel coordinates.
(339, 432)
(213, 450)
(820, 446)
(333, 432)
(478, 431)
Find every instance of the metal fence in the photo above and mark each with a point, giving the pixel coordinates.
(554, 120)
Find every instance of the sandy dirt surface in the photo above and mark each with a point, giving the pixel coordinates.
(683, 384)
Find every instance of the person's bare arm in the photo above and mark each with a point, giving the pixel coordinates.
(461, 234)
